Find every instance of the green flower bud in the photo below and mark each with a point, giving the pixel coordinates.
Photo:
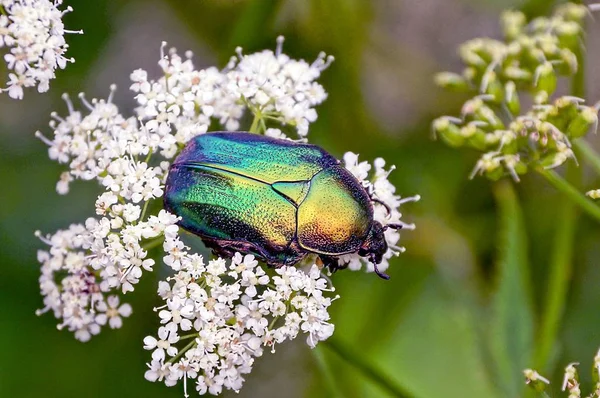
(555, 159)
(492, 86)
(541, 97)
(470, 57)
(585, 120)
(495, 174)
(451, 81)
(540, 25)
(535, 380)
(569, 35)
(512, 98)
(487, 114)
(517, 74)
(595, 194)
(513, 23)
(571, 12)
(470, 73)
(448, 131)
(545, 78)
(569, 64)
(475, 136)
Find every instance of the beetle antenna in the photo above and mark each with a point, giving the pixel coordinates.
(388, 209)
(399, 225)
(393, 226)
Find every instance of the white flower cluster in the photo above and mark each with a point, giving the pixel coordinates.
(386, 205)
(218, 316)
(34, 32)
(79, 299)
(277, 87)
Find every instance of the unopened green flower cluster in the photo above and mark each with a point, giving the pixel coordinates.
(498, 73)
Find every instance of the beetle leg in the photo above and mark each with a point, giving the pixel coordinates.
(332, 263)
(380, 274)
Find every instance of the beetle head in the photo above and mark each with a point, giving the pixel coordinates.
(375, 246)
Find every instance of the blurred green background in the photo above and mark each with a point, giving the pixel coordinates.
(460, 316)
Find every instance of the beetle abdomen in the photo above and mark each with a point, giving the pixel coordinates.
(336, 215)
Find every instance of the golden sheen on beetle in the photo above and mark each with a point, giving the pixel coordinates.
(276, 199)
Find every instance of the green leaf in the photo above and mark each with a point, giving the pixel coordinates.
(511, 325)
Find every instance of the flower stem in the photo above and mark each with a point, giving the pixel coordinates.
(325, 372)
(571, 192)
(2, 10)
(366, 368)
(255, 123)
(560, 268)
(153, 243)
(588, 153)
(183, 350)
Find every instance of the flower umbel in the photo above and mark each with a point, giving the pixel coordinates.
(218, 315)
(530, 60)
(33, 31)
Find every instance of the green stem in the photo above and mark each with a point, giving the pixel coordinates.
(560, 269)
(255, 122)
(183, 350)
(325, 372)
(3, 11)
(588, 153)
(144, 209)
(571, 192)
(366, 368)
(263, 125)
(152, 244)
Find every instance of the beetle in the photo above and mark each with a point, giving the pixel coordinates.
(276, 199)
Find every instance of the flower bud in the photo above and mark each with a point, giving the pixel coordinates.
(595, 194)
(448, 131)
(451, 81)
(569, 64)
(571, 12)
(541, 97)
(545, 78)
(518, 74)
(493, 87)
(569, 35)
(512, 98)
(586, 119)
(475, 136)
(513, 23)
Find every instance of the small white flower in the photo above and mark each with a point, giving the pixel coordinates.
(167, 335)
(112, 312)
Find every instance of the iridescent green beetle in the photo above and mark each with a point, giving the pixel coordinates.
(277, 199)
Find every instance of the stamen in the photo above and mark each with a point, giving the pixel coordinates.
(238, 51)
(414, 198)
(38, 234)
(55, 116)
(113, 88)
(85, 102)
(163, 45)
(279, 48)
(45, 140)
(65, 97)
